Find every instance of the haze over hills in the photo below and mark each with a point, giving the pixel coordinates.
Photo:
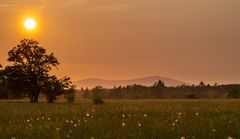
(147, 81)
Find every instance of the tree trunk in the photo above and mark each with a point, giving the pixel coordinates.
(50, 100)
(34, 97)
(31, 98)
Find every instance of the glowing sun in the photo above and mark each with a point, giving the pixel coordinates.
(30, 24)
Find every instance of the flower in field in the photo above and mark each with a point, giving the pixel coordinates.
(179, 113)
(87, 114)
(139, 124)
(173, 124)
(37, 119)
(71, 121)
(183, 138)
(28, 120)
(49, 118)
(197, 113)
(68, 136)
(176, 120)
(213, 130)
(43, 118)
(230, 138)
(75, 125)
(123, 115)
(229, 122)
(145, 115)
(123, 124)
(92, 137)
(70, 131)
(13, 137)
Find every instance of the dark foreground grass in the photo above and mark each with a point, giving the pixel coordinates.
(198, 119)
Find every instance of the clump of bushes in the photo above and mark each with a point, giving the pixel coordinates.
(191, 96)
(233, 93)
(70, 95)
(97, 95)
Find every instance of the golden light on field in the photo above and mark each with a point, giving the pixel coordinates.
(30, 24)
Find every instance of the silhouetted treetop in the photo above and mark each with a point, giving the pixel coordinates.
(31, 65)
(28, 54)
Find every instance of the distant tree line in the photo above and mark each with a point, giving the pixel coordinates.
(28, 74)
(160, 91)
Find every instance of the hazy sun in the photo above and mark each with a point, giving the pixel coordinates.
(30, 24)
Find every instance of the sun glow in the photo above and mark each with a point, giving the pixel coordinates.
(30, 24)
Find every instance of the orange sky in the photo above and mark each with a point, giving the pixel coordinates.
(190, 40)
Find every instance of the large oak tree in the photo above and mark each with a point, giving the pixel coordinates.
(30, 67)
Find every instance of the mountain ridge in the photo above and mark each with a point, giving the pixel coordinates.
(147, 81)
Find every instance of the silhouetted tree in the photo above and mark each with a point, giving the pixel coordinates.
(97, 93)
(30, 67)
(3, 84)
(159, 84)
(233, 93)
(202, 84)
(15, 80)
(54, 87)
(70, 94)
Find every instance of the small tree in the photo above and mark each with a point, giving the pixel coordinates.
(54, 87)
(3, 84)
(97, 95)
(159, 84)
(233, 93)
(70, 94)
(202, 84)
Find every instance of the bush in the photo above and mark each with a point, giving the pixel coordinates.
(98, 101)
(97, 95)
(233, 93)
(70, 95)
(192, 96)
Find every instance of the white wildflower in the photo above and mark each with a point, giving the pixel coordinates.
(139, 124)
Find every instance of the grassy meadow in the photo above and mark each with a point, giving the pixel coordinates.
(148, 119)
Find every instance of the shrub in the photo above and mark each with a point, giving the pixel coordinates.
(192, 96)
(97, 95)
(70, 95)
(233, 93)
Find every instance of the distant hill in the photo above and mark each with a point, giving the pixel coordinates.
(147, 81)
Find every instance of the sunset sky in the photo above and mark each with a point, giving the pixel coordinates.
(189, 40)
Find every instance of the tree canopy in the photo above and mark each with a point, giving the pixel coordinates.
(30, 67)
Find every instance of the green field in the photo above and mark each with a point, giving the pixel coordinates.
(166, 119)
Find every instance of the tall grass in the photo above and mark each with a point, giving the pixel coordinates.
(197, 119)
